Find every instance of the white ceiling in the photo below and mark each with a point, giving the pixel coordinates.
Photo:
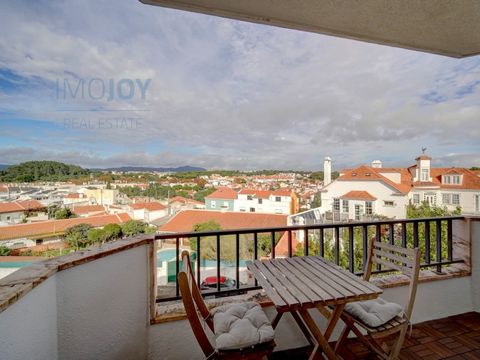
(447, 27)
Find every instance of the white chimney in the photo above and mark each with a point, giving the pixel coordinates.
(327, 171)
(377, 164)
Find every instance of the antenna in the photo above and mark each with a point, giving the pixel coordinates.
(423, 150)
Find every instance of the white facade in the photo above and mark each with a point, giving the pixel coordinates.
(273, 204)
(388, 201)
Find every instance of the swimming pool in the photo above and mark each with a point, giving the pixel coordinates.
(168, 255)
(14, 264)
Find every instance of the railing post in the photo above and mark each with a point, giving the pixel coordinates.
(415, 234)
(378, 237)
(438, 245)
(305, 248)
(365, 246)
(273, 244)
(449, 240)
(404, 234)
(322, 242)
(351, 260)
(218, 263)
(289, 243)
(177, 265)
(255, 250)
(199, 264)
(427, 242)
(337, 245)
(237, 260)
(391, 235)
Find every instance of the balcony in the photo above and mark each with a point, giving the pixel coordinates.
(104, 303)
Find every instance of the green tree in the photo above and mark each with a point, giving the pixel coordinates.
(134, 227)
(96, 236)
(5, 251)
(112, 232)
(317, 201)
(64, 213)
(77, 236)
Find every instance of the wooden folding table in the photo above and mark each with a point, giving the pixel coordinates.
(300, 283)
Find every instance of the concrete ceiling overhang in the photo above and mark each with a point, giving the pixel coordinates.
(446, 27)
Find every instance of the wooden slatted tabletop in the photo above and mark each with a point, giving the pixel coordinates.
(309, 281)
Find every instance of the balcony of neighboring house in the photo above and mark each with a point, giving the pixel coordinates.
(121, 300)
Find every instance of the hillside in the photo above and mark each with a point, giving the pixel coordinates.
(41, 171)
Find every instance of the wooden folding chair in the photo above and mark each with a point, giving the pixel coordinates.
(193, 300)
(396, 258)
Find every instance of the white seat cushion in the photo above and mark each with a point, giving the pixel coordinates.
(374, 312)
(241, 325)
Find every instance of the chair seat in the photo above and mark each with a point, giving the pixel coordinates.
(241, 325)
(388, 326)
(374, 313)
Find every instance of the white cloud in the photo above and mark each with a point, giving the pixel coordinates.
(233, 94)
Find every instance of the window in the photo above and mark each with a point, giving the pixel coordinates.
(456, 199)
(452, 179)
(368, 208)
(249, 197)
(225, 204)
(242, 209)
(336, 205)
(278, 198)
(416, 198)
(252, 209)
(446, 199)
(260, 201)
(424, 174)
(388, 203)
(278, 211)
(213, 204)
(345, 206)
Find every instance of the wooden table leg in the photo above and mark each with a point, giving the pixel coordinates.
(333, 319)
(277, 319)
(318, 336)
(305, 331)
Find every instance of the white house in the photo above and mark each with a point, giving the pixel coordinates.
(367, 190)
(281, 201)
(147, 211)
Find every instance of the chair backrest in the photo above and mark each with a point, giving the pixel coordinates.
(193, 300)
(396, 258)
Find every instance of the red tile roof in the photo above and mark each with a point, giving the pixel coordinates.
(184, 200)
(265, 194)
(51, 227)
(358, 195)
(281, 249)
(150, 206)
(470, 180)
(223, 193)
(185, 220)
(366, 173)
(18, 206)
(85, 209)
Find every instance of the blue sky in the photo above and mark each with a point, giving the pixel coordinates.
(222, 93)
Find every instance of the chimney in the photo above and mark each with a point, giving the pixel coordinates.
(327, 171)
(377, 164)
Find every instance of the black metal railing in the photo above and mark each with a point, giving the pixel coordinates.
(344, 244)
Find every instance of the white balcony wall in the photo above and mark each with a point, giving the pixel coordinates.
(28, 328)
(98, 310)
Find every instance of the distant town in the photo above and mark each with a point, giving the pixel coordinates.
(49, 208)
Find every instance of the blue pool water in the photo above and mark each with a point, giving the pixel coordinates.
(169, 255)
(14, 264)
